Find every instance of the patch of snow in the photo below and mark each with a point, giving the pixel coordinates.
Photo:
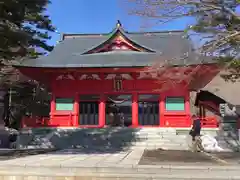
(210, 144)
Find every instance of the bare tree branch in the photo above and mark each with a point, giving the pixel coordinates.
(214, 18)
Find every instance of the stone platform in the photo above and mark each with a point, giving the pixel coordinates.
(73, 164)
(110, 139)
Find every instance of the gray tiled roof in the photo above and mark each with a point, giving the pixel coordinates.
(227, 90)
(166, 46)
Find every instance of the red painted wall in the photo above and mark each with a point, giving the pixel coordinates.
(176, 119)
(71, 88)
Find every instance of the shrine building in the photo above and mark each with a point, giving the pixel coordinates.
(98, 79)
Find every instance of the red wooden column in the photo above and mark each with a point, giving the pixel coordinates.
(162, 110)
(76, 111)
(188, 109)
(102, 107)
(52, 109)
(135, 110)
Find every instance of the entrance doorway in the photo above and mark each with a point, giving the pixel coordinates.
(88, 110)
(119, 110)
(148, 110)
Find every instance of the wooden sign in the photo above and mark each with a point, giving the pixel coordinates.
(117, 84)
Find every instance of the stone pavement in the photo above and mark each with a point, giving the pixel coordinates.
(76, 158)
(73, 164)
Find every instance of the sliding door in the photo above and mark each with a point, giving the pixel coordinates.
(88, 110)
(148, 110)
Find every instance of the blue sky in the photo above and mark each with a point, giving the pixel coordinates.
(100, 16)
(95, 16)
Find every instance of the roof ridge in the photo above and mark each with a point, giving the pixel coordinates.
(161, 32)
(126, 32)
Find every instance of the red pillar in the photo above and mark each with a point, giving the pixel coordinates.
(162, 110)
(187, 109)
(238, 127)
(135, 110)
(76, 111)
(52, 109)
(102, 111)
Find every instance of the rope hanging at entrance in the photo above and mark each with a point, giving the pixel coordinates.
(120, 101)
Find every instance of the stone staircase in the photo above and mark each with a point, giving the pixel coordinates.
(106, 139)
(227, 137)
(165, 138)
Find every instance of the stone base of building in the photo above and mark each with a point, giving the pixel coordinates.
(107, 139)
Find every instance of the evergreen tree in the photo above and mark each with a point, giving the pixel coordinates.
(24, 31)
(23, 28)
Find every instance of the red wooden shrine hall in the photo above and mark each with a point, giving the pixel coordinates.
(100, 80)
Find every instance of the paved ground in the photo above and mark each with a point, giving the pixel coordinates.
(122, 165)
(74, 157)
(159, 156)
(77, 158)
(7, 154)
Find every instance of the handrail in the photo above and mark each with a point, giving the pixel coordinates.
(35, 121)
(209, 121)
(42, 121)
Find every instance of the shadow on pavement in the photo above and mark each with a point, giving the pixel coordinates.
(7, 154)
(159, 156)
(85, 141)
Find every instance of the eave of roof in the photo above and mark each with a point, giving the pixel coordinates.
(109, 59)
(227, 90)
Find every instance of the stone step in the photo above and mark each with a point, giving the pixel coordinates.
(173, 147)
(157, 135)
(119, 140)
(122, 135)
(229, 145)
(160, 143)
(226, 139)
(126, 133)
(120, 143)
(147, 146)
(154, 134)
(150, 147)
(141, 136)
(158, 129)
(152, 139)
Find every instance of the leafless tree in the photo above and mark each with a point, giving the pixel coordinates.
(217, 23)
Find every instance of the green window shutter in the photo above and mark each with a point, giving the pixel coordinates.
(64, 104)
(175, 104)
